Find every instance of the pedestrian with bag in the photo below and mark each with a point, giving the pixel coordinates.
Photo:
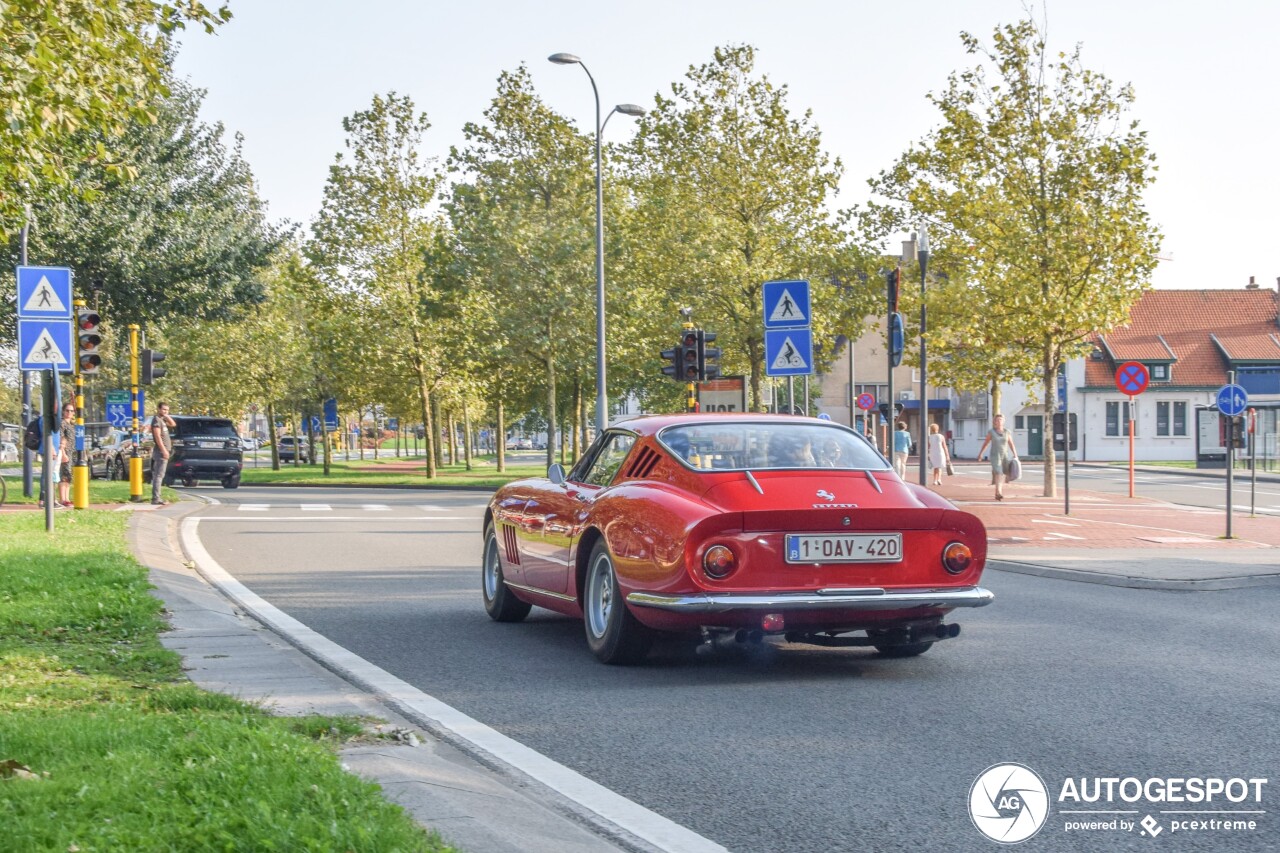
(1003, 453)
(161, 450)
(939, 458)
(901, 449)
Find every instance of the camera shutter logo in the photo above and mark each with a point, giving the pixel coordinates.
(1008, 803)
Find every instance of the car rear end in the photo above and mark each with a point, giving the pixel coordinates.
(205, 448)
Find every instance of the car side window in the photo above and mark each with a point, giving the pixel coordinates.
(610, 458)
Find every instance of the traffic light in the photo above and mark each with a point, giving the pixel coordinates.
(708, 356)
(1064, 431)
(689, 355)
(150, 373)
(897, 339)
(674, 356)
(891, 281)
(88, 341)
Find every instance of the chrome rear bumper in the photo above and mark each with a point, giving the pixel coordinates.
(861, 598)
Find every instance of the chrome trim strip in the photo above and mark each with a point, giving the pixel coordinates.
(871, 598)
(539, 591)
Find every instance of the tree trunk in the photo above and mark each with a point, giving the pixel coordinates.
(466, 433)
(360, 433)
(501, 434)
(756, 357)
(324, 438)
(577, 418)
(424, 396)
(453, 439)
(1050, 406)
(275, 437)
(297, 448)
(551, 402)
(435, 419)
(996, 399)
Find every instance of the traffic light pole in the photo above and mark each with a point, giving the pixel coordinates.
(79, 468)
(135, 457)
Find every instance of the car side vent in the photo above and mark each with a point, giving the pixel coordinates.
(509, 544)
(646, 459)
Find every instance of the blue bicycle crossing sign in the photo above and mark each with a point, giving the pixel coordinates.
(1232, 400)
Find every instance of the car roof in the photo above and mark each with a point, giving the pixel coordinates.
(653, 424)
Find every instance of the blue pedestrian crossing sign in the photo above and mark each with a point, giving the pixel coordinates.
(1232, 400)
(44, 292)
(786, 304)
(44, 345)
(788, 352)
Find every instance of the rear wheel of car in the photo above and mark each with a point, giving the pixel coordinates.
(231, 482)
(906, 650)
(118, 470)
(499, 602)
(613, 634)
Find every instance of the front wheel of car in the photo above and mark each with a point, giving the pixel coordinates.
(499, 601)
(614, 635)
(906, 650)
(118, 470)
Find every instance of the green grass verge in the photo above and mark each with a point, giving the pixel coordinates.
(100, 491)
(1172, 463)
(388, 472)
(105, 746)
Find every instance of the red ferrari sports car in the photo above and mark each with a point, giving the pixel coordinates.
(733, 527)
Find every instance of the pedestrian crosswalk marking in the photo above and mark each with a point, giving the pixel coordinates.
(376, 507)
(44, 298)
(789, 357)
(315, 507)
(46, 351)
(254, 507)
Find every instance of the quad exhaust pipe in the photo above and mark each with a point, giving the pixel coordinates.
(906, 636)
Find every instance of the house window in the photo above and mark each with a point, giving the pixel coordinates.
(1159, 373)
(1171, 418)
(1019, 422)
(1118, 418)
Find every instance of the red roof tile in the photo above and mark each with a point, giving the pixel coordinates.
(1244, 321)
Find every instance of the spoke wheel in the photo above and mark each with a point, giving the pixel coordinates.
(499, 601)
(613, 634)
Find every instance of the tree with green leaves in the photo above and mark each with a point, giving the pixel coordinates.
(184, 237)
(1033, 185)
(75, 74)
(731, 190)
(523, 219)
(374, 230)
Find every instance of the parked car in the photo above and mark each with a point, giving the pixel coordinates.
(733, 527)
(519, 444)
(8, 451)
(108, 456)
(302, 449)
(204, 448)
(249, 443)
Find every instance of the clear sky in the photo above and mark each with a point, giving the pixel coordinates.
(285, 72)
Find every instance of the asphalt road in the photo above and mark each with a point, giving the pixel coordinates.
(792, 748)
(1179, 488)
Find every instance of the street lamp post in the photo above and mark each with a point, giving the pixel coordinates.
(924, 362)
(602, 396)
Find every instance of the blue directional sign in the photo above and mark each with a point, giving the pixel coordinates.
(788, 352)
(786, 304)
(1232, 400)
(44, 293)
(331, 414)
(44, 345)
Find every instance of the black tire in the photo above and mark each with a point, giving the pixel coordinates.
(614, 635)
(908, 650)
(231, 482)
(499, 602)
(117, 471)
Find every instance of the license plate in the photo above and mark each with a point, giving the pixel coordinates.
(211, 444)
(845, 548)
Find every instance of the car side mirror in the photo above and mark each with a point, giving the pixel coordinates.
(555, 473)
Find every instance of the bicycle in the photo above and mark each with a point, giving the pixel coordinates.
(4, 490)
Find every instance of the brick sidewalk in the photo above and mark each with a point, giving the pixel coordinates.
(1099, 520)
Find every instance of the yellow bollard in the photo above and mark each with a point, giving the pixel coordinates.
(80, 486)
(135, 479)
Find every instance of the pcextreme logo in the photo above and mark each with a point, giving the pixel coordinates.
(1008, 803)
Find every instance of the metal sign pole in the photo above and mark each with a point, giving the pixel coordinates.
(28, 413)
(1132, 426)
(1231, 454)
(1066, 462)
(1253, 463)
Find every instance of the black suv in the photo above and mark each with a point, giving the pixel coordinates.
(204, 448)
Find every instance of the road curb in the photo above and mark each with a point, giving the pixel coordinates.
(488, 490)
(1131, 582)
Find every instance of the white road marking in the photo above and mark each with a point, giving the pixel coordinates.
(1056, 535)
(659, 831)
(1052, 521)
(254, 507)
(315, 507)
(376, 507)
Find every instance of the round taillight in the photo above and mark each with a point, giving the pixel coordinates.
(719, 561)
(956, 557)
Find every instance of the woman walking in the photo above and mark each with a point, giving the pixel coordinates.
(1002, 453)
(938, 456)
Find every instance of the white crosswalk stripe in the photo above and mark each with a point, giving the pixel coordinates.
(315, 507)
(376, 507)
(254, 507)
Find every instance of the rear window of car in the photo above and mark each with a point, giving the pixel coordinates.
(216, 427)
(761, 446)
